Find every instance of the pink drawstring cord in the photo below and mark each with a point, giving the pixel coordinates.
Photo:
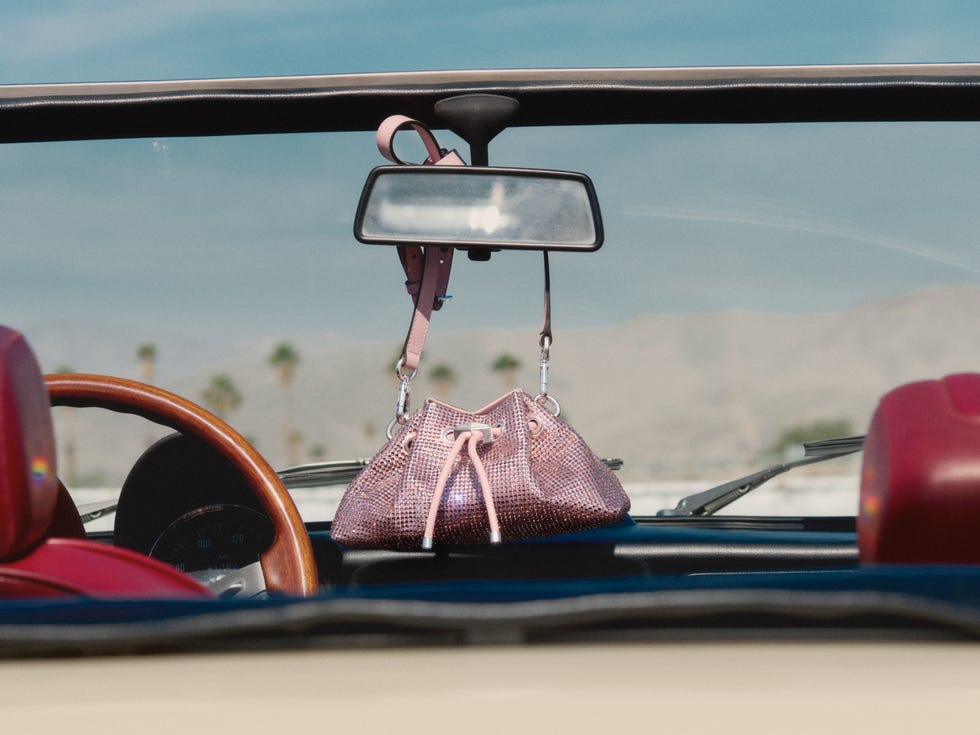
(470, 437)
(481, 473)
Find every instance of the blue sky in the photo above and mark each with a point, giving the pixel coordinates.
(740, 217)
(145, 39)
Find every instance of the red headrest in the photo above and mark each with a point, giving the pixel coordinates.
(28, 478)
(920, 480)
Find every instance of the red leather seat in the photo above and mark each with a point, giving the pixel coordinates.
(920, 480)
(41, 552)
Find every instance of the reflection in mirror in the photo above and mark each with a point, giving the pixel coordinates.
(483, 207)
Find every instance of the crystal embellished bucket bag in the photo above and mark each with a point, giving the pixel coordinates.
(511, 470)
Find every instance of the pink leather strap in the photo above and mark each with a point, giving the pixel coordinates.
(411, 256)
(413, 263)
(437, 263)
(426, 269)
(386, 138)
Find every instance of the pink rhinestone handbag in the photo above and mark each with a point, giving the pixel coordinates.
(512, 470)
(509, 471)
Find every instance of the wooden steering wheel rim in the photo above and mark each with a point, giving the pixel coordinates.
(289, 565)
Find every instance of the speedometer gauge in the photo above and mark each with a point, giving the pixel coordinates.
(208, 542)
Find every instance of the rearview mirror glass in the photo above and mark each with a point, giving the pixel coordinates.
(493, 208)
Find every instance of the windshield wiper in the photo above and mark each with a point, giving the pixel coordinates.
(710, 501)
(93, 511)
(322, 473)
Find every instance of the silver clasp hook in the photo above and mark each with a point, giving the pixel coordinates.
(544, 364)
(403, 404)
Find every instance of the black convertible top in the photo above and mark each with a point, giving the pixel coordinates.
(546, 96)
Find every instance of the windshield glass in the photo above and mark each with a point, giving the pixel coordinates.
(759, 285)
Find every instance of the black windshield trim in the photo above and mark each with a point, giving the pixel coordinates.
(547, 97)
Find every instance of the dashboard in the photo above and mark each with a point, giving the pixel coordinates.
(185, 505)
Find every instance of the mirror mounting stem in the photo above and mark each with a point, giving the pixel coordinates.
(477, 119)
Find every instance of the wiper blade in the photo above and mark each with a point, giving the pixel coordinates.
(710, 501)
(834, 447)
(613, 463)
(322, 473)
(93, 511)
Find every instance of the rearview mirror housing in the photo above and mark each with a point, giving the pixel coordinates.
(479, 208)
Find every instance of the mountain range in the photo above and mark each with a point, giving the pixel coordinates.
(673, 395)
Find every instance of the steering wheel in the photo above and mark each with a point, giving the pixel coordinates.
(288, 565)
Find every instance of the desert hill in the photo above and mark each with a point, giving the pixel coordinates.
(674, 395)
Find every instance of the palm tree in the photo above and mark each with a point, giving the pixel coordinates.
(70, 443)
(222, 395)
(506, 364)
(146, 353)
(294, 447)
(284, 359)
(443, 377)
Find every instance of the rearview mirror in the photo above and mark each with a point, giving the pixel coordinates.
(482, 208)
